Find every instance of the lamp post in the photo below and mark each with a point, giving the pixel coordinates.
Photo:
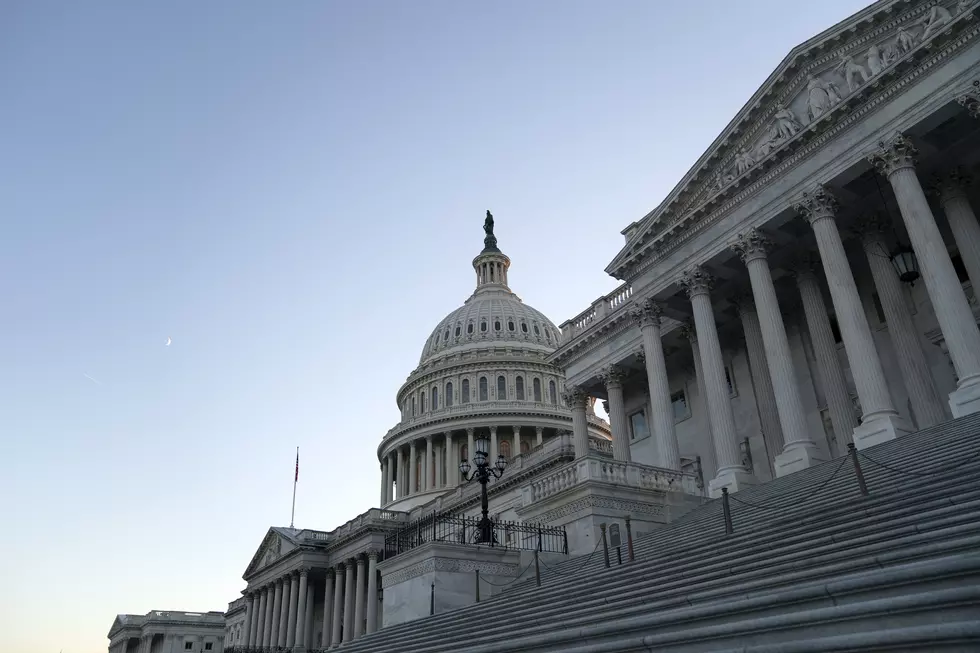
(482, 474)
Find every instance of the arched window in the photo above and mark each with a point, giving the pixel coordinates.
(483, 326)
(525, 446)
(458, 330)
(501, 387)
(537, 389)
(552, 392)
(524, 327)
(537, 331)
(484, 393)
(448, 399)
(496, 325)
(435, 398)
(520, 388)
(413, 406)
(445, 336)
(422, 401)
(547, 334)
(464, 392)
(469, 328)
(504, 449)
(510, 325)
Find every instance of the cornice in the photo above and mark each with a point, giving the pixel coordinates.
(843, 115)
(610, 326)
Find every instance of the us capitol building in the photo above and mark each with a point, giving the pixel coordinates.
(807, 286)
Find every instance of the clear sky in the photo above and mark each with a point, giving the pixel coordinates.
(293, 191)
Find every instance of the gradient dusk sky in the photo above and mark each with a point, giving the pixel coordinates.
(294, 191)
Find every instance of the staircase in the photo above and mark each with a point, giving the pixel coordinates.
(812, 566)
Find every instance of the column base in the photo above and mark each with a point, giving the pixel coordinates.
(965, 400)
(880, 428)
(797, 456)
(734, 478)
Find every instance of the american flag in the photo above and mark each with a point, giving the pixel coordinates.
(297, 465)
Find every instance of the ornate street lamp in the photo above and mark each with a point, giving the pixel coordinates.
(482, 474)
(907, 266)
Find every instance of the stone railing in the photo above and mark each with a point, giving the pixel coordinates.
(615, 301)
(373, 517)
(477, 408)
(635, 475)
(602, 447)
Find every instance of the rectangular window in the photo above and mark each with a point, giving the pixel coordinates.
(678, 401)
(207, 646)
(188, 646)
(638, 426)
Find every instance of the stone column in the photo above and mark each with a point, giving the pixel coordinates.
(270, 617)
(359, 599)
(765, 396)
(516, 446)
(928, 407)
(372, 592)
(880, 421)
(298, 633)
(336, 630)
(413, 478)
(731, 472)
(951, 190)
(799, 451)
(249, 619)
(704, 422)
(260, 617)
(276, 614)
(350, 586)
(451, 463)
(612, 377)
(327, 609)
(429, 466)
(287, 626)
(384, 482)
(648, 314)
(309, 630)
(896, 159)
(825, 351)
(469, 444)
(400, 475)
(493, 445)
(575, 399)
(538, 436)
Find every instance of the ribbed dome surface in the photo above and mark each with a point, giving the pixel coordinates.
(491, 316)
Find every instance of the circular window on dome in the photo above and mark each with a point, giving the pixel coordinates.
(469, 328)
(537, 331)
(483, 326)
(496, 325)
(458, 331)
(510, 325)
(524, 327)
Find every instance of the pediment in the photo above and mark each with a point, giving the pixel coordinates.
(805, 95)
(276, 543)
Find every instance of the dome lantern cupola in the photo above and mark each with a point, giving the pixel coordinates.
(491, 264)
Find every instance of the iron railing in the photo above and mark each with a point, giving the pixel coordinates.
(447, 527)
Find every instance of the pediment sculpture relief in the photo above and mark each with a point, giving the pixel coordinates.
(827, 88)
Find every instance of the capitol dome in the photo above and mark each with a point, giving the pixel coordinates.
(484, 371)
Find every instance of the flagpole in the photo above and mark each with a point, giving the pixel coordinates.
(292, 515)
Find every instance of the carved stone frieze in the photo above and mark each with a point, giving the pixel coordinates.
(580, 505)
(894, 154)
(697, 281)
(751, 245)
(817, 204)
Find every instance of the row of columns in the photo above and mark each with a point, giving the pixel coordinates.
(775, 379)
(396, 465)
(280, 613)
(350, 605)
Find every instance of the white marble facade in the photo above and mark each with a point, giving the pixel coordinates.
(168, 631)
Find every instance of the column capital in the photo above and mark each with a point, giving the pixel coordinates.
(469, 431)
(539, 429)
(304, 571)
(744, 303)
(751, 245)
(372, 556)
(647, 312)
(871, 227)
(641, 354)
(517, 429)
(428, 439)
(689, 331)
(411, 445)
(816, 204)
(893, 154)
(574, 397)
(697, 281)
(971, 99)
(806, 266)
(950, 185)
(612, 376)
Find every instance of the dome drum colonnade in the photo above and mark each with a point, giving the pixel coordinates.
(894, 159)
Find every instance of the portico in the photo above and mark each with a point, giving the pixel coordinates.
(784, 251)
